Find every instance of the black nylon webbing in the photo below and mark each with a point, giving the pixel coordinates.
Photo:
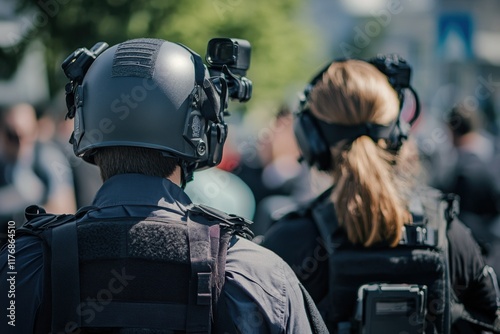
(326, 225)
(198, 312)
(43, 318)
(220, 261)
(139, 315)
(222, 322)
(65, 278)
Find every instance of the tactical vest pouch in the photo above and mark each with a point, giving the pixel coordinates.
(391, 308)
(419, 261)
(357, 267)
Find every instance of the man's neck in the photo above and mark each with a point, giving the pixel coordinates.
(175, 177)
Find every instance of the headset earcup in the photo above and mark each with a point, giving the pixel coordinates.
(314, 149)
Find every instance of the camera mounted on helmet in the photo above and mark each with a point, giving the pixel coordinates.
(75, 66)
(156, 94)
(396, 69)
(231, 57)
(398, 73)
(315, 137)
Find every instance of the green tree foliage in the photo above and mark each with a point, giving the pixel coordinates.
(284, 50)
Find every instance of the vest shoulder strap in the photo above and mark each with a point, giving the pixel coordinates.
(58, 235)
(233, 224)
(38, 220)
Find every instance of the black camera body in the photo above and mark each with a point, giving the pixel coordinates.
(396, 69)
(231, 57)
(232, 52)
(226, 57)
(77, 64)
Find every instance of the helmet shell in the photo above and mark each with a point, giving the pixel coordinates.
(140, 93)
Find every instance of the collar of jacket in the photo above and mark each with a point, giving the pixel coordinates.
(142, 190)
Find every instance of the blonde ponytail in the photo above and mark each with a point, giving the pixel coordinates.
(370, 195)
(366, 199)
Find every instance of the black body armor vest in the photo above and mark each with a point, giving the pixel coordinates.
(132, 275)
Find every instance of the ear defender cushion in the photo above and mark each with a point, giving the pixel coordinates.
(313, 146)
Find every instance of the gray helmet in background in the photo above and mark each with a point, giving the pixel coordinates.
(147, 93)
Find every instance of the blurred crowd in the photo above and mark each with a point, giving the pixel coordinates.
(467, 163)
(37, 164)
(260, 176)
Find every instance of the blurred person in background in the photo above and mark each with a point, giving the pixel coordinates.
(270, 167)
(31, 172)
(367, 227)
(475, 176)
(476, 171)
(220, 187)
(86, 178)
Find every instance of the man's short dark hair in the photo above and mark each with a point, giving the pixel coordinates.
(123, 159)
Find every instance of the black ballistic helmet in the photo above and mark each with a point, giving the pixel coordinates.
(146, 93)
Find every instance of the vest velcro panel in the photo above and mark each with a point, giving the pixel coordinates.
(134, 238)
(139, 273)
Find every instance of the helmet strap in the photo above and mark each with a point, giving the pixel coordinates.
(186, 172)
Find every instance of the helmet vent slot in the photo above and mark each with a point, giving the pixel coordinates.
(136, 58)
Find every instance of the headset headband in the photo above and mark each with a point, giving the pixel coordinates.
(335, 133)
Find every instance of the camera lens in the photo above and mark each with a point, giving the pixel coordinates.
(221, 52)
(224, 53)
